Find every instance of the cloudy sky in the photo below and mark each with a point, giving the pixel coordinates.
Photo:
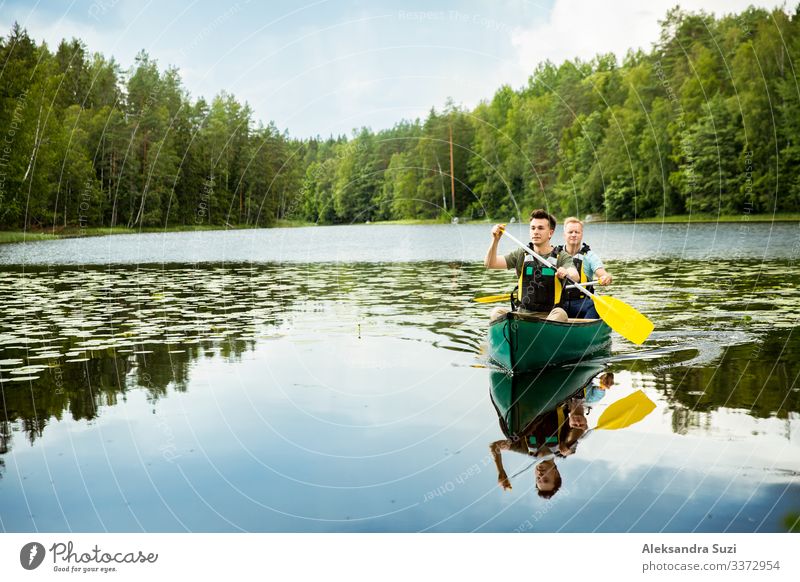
(328, 66)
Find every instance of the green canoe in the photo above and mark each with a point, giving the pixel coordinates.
(520, 399)
(521, 343)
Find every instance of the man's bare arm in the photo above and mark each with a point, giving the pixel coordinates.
(495, 448)
(570, 272)
(493, 260)
(603, 276)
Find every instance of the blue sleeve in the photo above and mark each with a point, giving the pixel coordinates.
(592, 263)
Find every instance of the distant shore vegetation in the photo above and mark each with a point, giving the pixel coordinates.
(707, 123)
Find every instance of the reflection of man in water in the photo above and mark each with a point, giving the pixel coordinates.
(577, 427)
(548, 478)
(541, 439)
(594, 393)
(552, 433)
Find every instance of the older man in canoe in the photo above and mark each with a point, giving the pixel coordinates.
(588, 265)
(538, 290)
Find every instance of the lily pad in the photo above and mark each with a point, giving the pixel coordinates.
(45, 356)
(27, 369)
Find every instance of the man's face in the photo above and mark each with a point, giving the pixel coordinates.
(540, 231)
(573, 232)
(606, 381)
(546, 473)
(578, 421)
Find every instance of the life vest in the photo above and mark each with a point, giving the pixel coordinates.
(577, 260)
(538, 289)
(546, 431)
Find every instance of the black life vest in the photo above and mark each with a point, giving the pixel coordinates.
(538, 288)
(577, 260)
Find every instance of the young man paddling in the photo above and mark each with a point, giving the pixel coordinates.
(588, 264)
(538, 290)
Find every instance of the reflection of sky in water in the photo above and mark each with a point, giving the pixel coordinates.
(383, 432)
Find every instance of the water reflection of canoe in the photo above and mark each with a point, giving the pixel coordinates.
(519, 399)
(522, 343)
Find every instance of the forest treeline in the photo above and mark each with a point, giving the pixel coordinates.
(707, 121)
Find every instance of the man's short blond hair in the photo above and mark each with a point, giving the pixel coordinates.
(572, 219)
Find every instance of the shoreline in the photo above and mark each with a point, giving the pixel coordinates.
(710, 218)
(16, 236)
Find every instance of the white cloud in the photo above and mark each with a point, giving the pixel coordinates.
(585, 28)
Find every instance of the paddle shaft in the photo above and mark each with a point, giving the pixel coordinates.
(528, 250)
(587, 283)
(505, 296)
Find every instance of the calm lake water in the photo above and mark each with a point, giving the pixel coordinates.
(336, 379)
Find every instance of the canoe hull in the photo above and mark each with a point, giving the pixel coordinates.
(521, 398)
(521, 343)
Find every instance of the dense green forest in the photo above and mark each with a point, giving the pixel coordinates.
(708, 121)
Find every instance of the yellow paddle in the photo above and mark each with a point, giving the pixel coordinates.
(625, 412)
(619, 316)
(493, 298)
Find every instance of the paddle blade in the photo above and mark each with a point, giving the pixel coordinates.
(623, 318)
(493, 298)
(625, 412)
